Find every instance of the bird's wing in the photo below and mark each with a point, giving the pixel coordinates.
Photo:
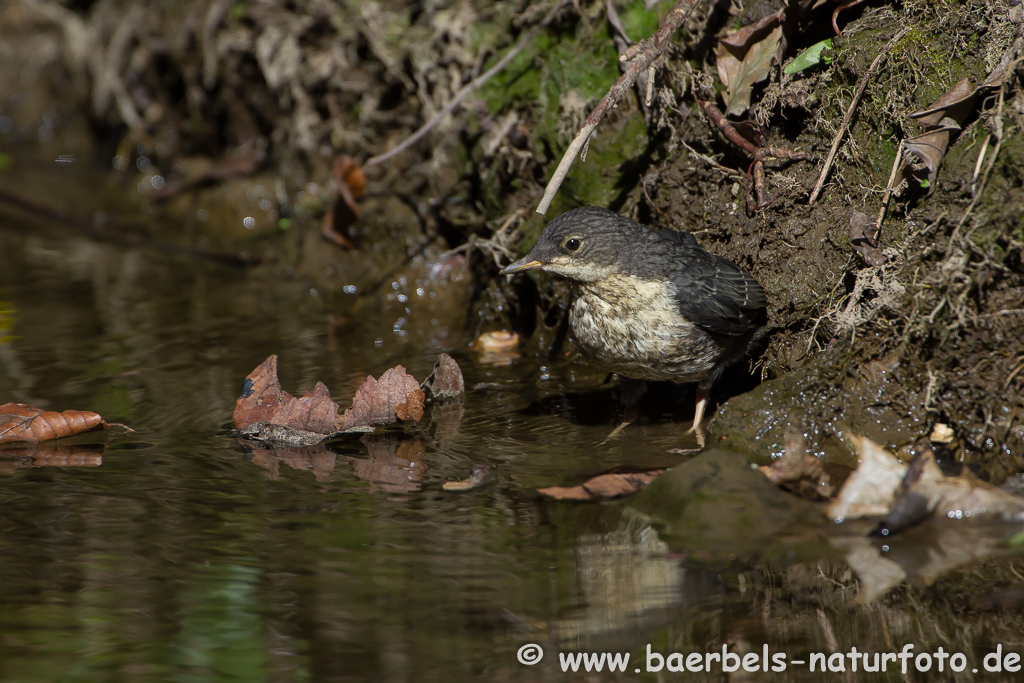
(678, 236)
(715, 294)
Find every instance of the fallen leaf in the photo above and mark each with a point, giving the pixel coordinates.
(22, 422)
(603, 486)
(446, 380)
(799, 471)
(871, 489)
(350, 181)
(379, 402)
(925, 491)
(745, 58)
(396, 395)
(941, 123)
(864, 238)
(476, 478)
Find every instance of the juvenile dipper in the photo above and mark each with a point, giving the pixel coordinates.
(649, 304)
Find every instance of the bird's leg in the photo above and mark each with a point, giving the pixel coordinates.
(698, 415)
(630, 392)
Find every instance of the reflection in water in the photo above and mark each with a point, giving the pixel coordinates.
(626, 582)
(50, 454)
(222, 635)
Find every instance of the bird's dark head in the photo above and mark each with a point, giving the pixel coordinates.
(584, 245)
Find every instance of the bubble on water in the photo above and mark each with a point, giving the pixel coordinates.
(249, 222)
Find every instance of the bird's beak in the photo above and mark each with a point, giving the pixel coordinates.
(525, 263)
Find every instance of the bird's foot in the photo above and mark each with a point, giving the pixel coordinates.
(615, 432)
(697, 431)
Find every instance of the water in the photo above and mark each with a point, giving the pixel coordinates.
(177, 553)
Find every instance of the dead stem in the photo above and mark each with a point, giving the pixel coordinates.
(467, 89)
(645, 52)
(849, 113)
(887, 195)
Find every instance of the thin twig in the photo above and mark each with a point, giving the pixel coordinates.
(887, 195)
(978, 163)
(998, 134)
(467, 89)
(649, 50)
(849, 113)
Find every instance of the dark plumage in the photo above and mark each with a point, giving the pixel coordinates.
(649, 304)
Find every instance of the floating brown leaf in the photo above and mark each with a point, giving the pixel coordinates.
(446, 380)
(377, 402)
(350, 180)
(745, 58)
(603, 486)
(476, 477)
(396, 394)
(22, 422)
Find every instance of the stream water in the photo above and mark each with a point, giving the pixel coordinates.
(177, 553)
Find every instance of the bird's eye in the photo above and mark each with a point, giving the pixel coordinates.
(572, 244)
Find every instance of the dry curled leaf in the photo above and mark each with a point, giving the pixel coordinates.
(22, 422)
(379, 402)
(745, 58)
(926, 491)
(396, 395)
(446, 380)
(799, 471)
(603, 486)
(864, 238)
(941, 123)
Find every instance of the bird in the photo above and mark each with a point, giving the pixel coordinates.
(649, 304)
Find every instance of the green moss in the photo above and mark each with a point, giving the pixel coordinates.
(640, 22)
